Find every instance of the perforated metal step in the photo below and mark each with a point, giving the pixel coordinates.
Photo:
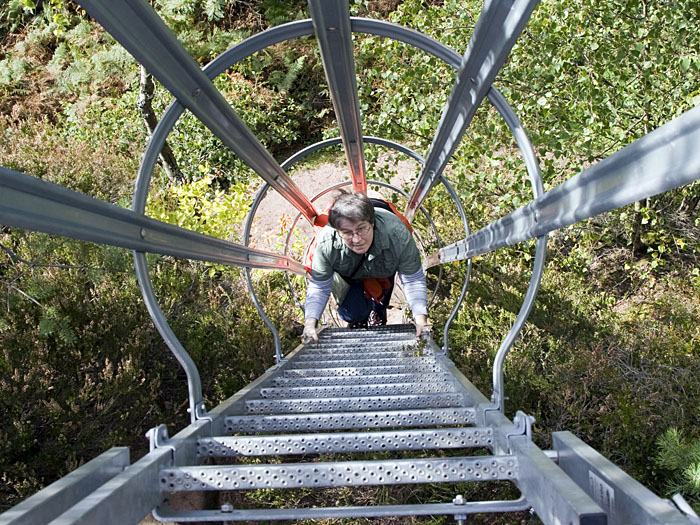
(358, 390)
(301, 406)
(360, 342)
(351, 420)
(406, 361)
(347, 355)
(363, 337)
(339, 474)
(365, 370)
(336, 333)
(320, 443)
(387, 379)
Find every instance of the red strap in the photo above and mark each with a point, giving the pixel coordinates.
(320, 221)
(399, 215)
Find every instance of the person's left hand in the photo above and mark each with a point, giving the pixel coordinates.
(421, 324)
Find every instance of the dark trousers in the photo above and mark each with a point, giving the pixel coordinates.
(355, 308)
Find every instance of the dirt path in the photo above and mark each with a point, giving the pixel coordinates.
(275, 213)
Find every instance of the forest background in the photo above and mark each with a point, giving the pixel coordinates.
(611, 350)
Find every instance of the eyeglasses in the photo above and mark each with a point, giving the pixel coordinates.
(360, 232)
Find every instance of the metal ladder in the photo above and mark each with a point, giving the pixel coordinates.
(369, 390)
(349, 394)
(355, 392)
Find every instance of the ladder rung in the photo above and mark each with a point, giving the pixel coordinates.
(397, 402)
(337, 333)
(359, 363)
(359, 342)
(361, 380)
(350, 420)
(364, 370)
(443, 438)
(345, 357)
(357, 390)
(340, 474)
(165, 513)
(339, 345)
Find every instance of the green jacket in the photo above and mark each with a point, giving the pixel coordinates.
(393, 250)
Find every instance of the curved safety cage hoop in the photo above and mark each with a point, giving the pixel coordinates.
(290, 31)
(334, 142)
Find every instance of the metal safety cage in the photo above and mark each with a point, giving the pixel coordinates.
(386, 384)
(334, 142)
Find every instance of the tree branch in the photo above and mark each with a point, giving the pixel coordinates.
(144, 103)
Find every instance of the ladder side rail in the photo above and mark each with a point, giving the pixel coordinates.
(660, 161)
(130, 495)
(126, 498)
(623, 498)
(549, 490)
(497, 29)
(53, 500)
(137, 27)
(331, 20)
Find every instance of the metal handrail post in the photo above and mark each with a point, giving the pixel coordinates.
(194, 383)
(497, 396)
(249, 283)
(465, 285)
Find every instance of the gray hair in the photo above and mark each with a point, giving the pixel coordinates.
(354, 207)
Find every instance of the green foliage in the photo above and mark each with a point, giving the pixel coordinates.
(611, 348)
(13, 15)
(680, 457)
(83, 63)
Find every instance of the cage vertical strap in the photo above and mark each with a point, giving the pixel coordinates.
(331, 19)
(496, 31)
(137, 27)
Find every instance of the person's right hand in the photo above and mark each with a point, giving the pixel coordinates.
(310, 330)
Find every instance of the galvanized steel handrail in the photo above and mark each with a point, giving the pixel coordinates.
(662, 160)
